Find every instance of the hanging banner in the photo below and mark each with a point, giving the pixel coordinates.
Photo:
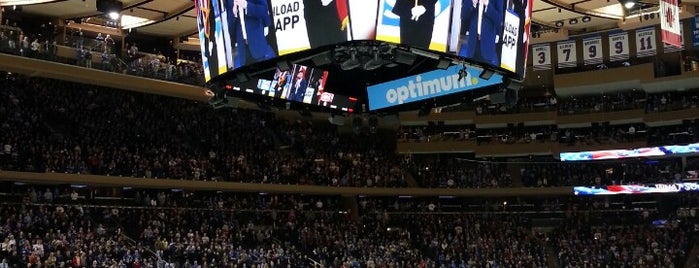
(668, 48)
(567, 54)
(542, 57)
(645, 42)
(670, 22)
(695, 31)
(592, 50)
(619, 46)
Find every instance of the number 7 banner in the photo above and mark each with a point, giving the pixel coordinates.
(567, 54)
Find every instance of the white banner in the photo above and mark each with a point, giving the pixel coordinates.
(619, 46)
(290, 26)
(510, 36)
(592, 50)
(542, 56)
(567, 54)
(645, 42)
(670, 22)
(668, 48)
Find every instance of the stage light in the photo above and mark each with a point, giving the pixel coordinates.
(486, 74)
(628, 4)
(444, 63)
(586, 19)
(375, 62)
(113, 15)
(351, 63)
(573, 21)
(559, 23)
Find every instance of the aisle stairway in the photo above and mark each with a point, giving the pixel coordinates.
(551, 257)
(692, 260)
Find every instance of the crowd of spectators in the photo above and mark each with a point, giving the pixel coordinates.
(85, 48)
(455, 173)
(86, 130)
(663, 243)
(556, 173)
(207, 229)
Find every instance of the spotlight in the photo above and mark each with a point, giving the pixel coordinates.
(586, 19)
(444, 63)
(373, 63)
(559, 24)
(283, 65)
(628, 4)
(486, 74)
(113, 15)
(243, 77)
(573, 21)
(351, 63)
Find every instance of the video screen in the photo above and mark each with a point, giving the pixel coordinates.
(305, 85)
(658, 188)
(630, 153)
(235, 33)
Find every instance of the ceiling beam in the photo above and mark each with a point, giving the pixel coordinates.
(173, 15)
(581, 11)
(97, 13)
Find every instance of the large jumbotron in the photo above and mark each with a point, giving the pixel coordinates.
(280, 50)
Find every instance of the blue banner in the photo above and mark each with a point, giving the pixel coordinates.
(427, 85)
(695, 31)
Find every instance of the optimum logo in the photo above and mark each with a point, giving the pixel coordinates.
(417, 89)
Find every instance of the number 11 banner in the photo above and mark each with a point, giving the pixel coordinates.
(567, 54)
(645, 42)
(670, 22)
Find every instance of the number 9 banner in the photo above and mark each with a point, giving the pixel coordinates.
(619, 46)
(592, 53)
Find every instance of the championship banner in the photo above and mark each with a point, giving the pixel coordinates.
(290, 26)
(567, 54)
(670, 22)
(593, 53)
(695, 31)
(542, 57)
(619, 46)
(510, 46)
(645, 42)
(668, 48)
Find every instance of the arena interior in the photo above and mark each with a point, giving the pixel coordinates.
(147, 133)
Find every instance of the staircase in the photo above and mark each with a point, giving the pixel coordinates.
(692, 260)
(410, 180)
(551, 257)
(515, 175)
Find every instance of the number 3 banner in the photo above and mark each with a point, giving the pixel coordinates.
(645, 42)
(567, 54)
(541, 57)
(592, 53)
(619, 46)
